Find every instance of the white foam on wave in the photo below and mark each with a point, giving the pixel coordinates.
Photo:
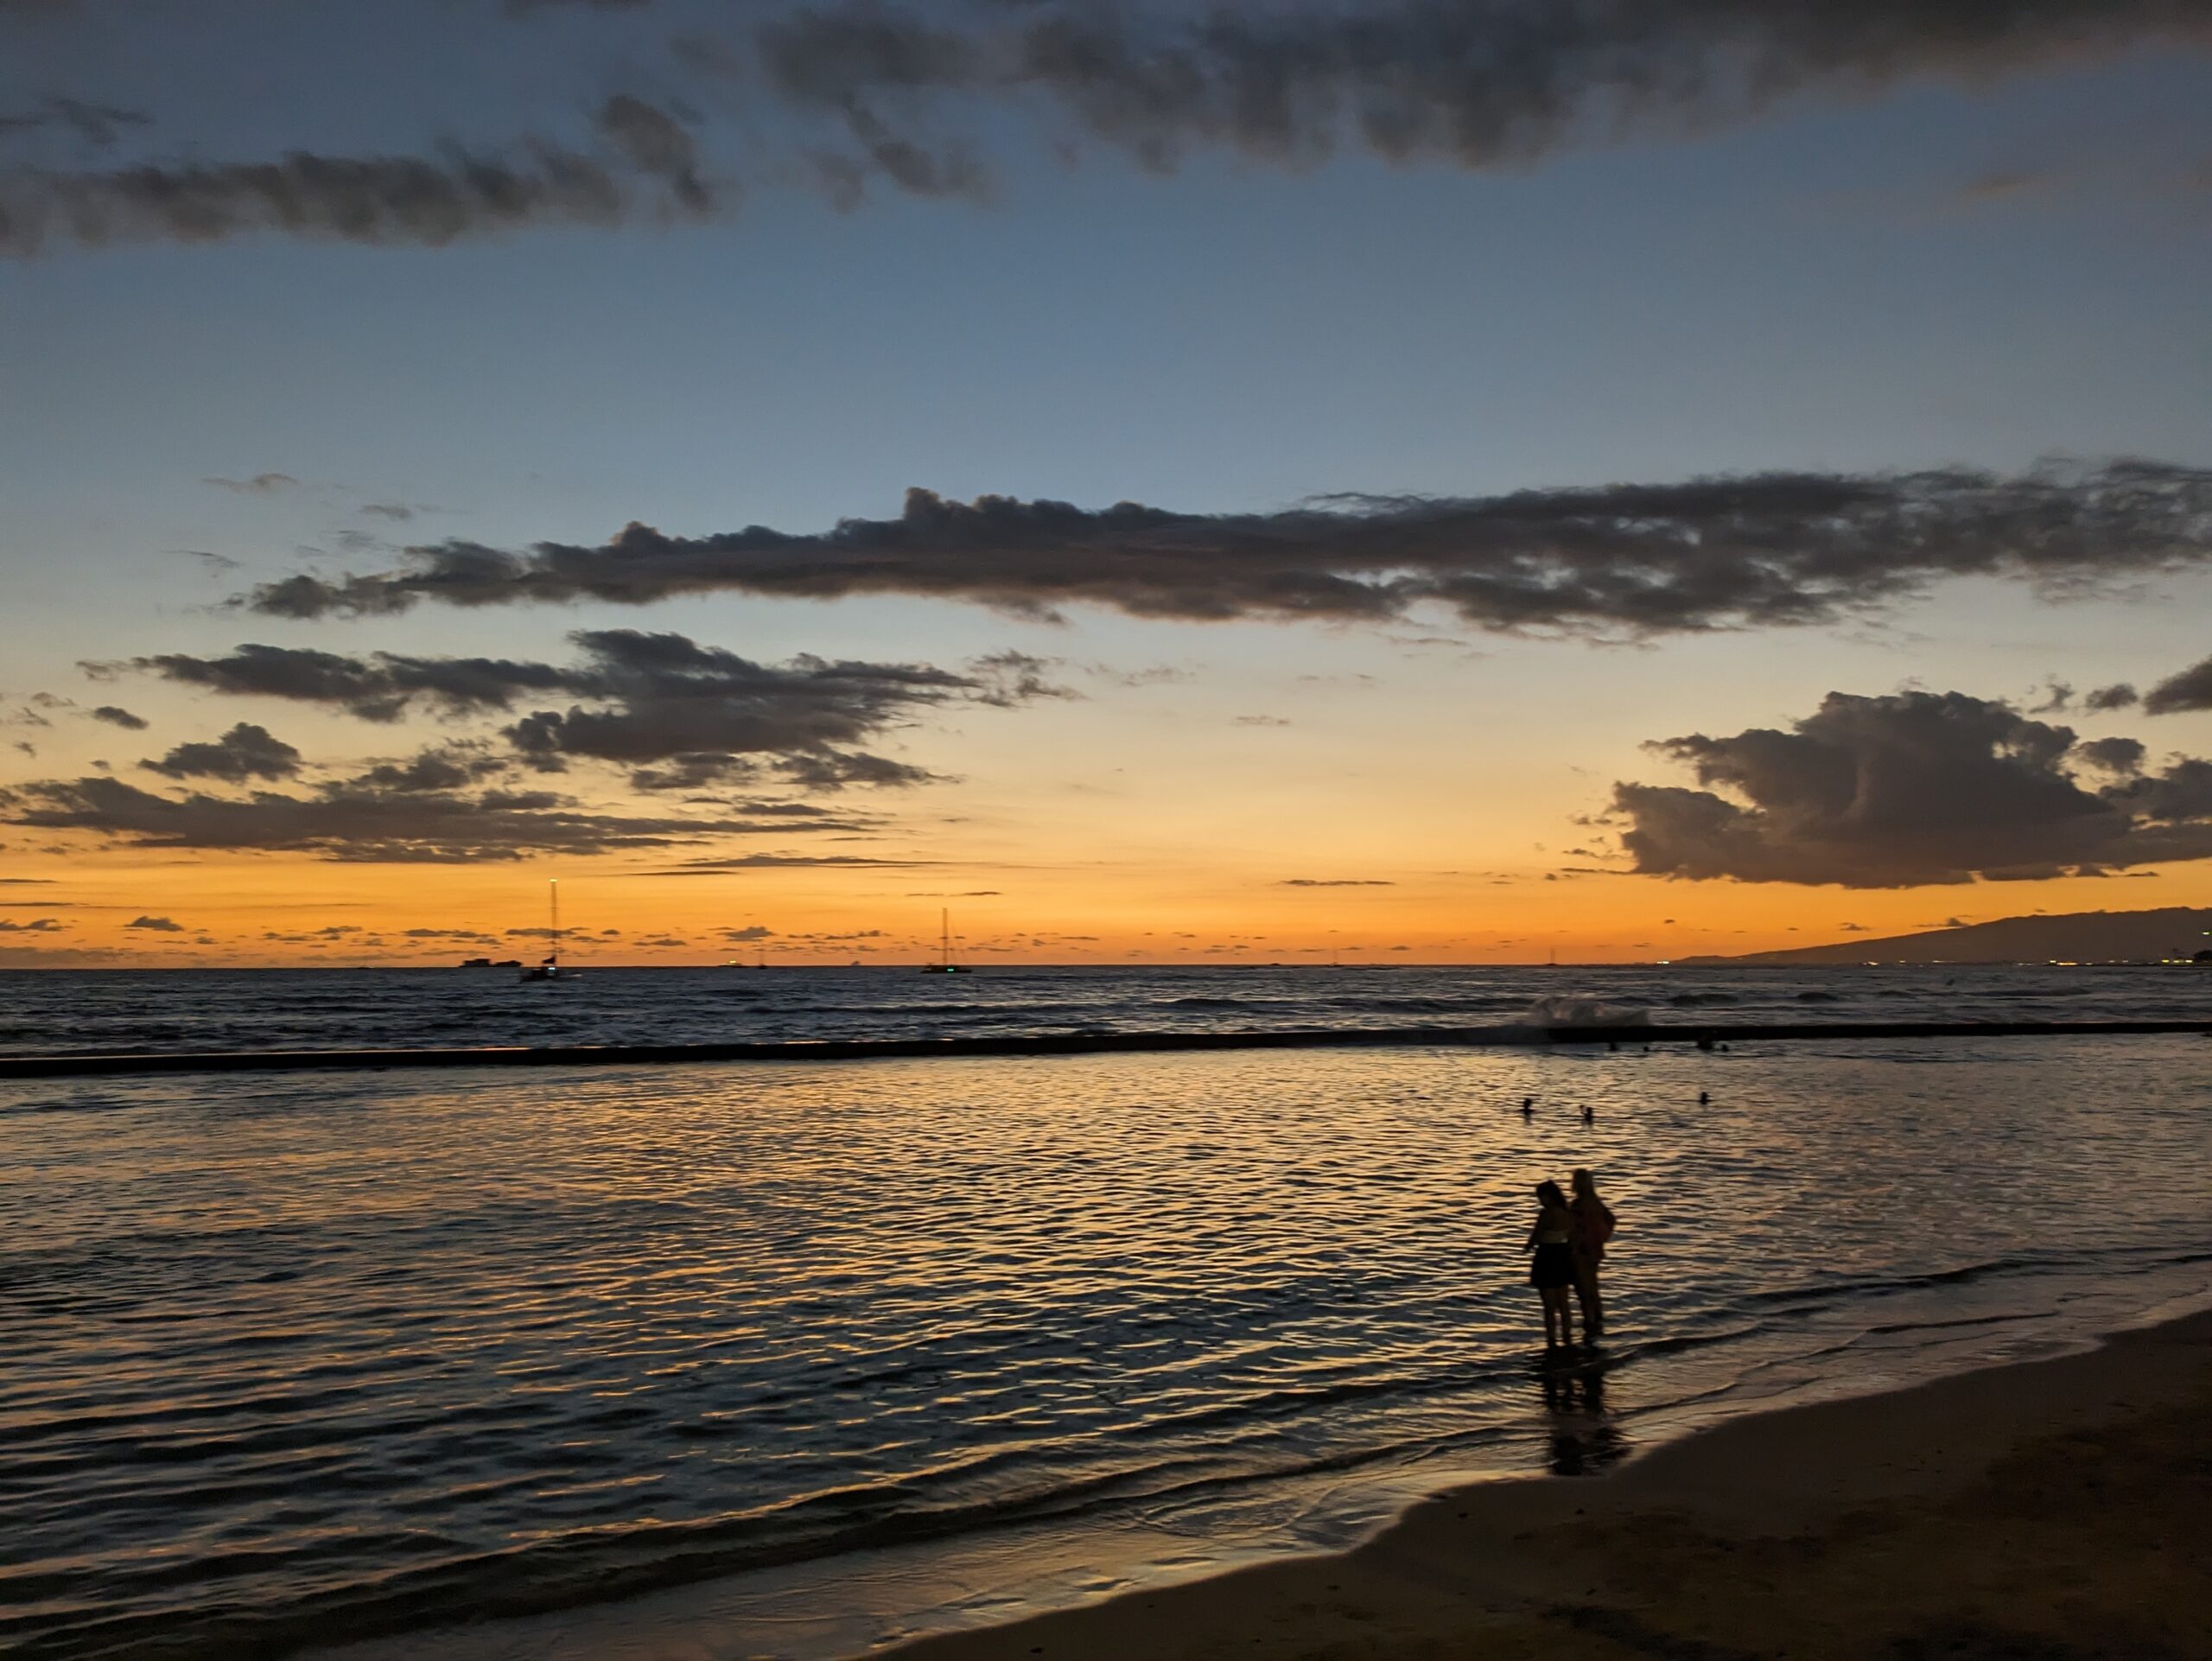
(1574, 1010)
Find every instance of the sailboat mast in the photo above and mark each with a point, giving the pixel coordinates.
(554, 933)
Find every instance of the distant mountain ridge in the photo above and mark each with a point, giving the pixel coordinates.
(2175, 932)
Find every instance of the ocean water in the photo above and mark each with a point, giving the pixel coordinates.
(107, 1010)
(294, 1359)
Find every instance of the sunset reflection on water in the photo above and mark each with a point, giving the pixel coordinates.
(377, 1350)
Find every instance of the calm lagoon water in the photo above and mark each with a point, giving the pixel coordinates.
(304, 1357)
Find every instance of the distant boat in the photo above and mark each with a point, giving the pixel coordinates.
(550, 970)
(945, 965)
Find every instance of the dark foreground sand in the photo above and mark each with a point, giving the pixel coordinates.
(2042, 1512)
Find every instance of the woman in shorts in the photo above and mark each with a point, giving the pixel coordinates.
(1552, 1270)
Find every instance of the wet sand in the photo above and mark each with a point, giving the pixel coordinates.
(2050, 1510)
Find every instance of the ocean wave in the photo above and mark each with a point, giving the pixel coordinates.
(1574, 1010)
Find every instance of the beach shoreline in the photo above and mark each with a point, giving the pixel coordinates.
(1764, 1532)
(2038, 1508)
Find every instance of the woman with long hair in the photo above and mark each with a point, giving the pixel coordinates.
(1552, 1270)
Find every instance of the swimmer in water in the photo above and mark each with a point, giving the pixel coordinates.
(1589, 1114)
(1528, 1107)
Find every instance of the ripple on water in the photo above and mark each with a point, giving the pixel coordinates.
(384, 1349)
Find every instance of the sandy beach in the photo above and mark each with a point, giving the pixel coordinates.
(2050, 1510)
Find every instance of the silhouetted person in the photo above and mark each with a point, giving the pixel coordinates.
(1552, 1272)
(1528, 1107)
(1589, 1114)
(1591, 1225)
(1704, 1098)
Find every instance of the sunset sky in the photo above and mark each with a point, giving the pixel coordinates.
(1435, 482)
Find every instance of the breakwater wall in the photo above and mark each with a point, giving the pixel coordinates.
(1702, 1036)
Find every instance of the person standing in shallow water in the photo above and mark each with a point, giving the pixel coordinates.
(1591, 1226)
(1552, 1272)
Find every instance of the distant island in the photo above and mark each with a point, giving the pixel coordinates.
(2175, 934)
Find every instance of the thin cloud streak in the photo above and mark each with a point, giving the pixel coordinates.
(351, 821)
(1474, 86)
(875, 93)
(651, 172)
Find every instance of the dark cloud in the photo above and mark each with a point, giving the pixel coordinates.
(156, 925)
(37, 925)
(381, 199)
(443, 767)
(2121, 755)
(2189, 689)
(663, 699)
(1911, 789)
(399, 513)
(116, 715)
(1335, 882)
(836, 772)
(683, 716)
(1471, 86)
(245, 752)
(2175, 800)
(262, 484)
(2120, 697)
(1710, 553)
(656, 143)
(380, 687)
(667, 709)
(349, 820)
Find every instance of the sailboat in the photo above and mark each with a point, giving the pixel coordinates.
(945, 965)
(550, 970)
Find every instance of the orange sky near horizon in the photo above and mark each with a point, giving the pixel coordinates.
(1234, 811)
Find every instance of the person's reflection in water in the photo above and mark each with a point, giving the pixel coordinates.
(1585, 1440)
